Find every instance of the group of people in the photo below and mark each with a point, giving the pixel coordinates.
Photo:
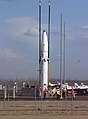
(44, 92)
(65, 93)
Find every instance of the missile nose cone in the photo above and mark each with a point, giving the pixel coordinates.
(44, 33)
(44, 41)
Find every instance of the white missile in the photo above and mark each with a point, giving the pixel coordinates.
(44, 61)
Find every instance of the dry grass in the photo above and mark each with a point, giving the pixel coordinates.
(43, 110)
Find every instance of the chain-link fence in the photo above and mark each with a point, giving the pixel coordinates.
(49, 107)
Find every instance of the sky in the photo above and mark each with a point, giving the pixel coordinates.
(19, 38)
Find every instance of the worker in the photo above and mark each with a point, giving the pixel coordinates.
(73, 93)
(40, 91)
(66, 92)
(63, 92)
(45, 92)
(58, 93)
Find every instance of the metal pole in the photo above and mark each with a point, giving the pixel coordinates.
(41, 98)
(64, 58)
(35, 96)
(72, 101)
(39, 42)
(40, 61)
(5, 95)
(14, 92)
(5, 92)
(49, 45)
(61, 56)
(8, 98)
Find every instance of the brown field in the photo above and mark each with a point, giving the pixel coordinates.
(52, 109)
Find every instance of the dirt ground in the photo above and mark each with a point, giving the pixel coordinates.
(51, 109)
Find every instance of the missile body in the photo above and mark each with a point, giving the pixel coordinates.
(44, 54)
(44, 61)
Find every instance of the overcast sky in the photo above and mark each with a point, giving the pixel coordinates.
(19, 37)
